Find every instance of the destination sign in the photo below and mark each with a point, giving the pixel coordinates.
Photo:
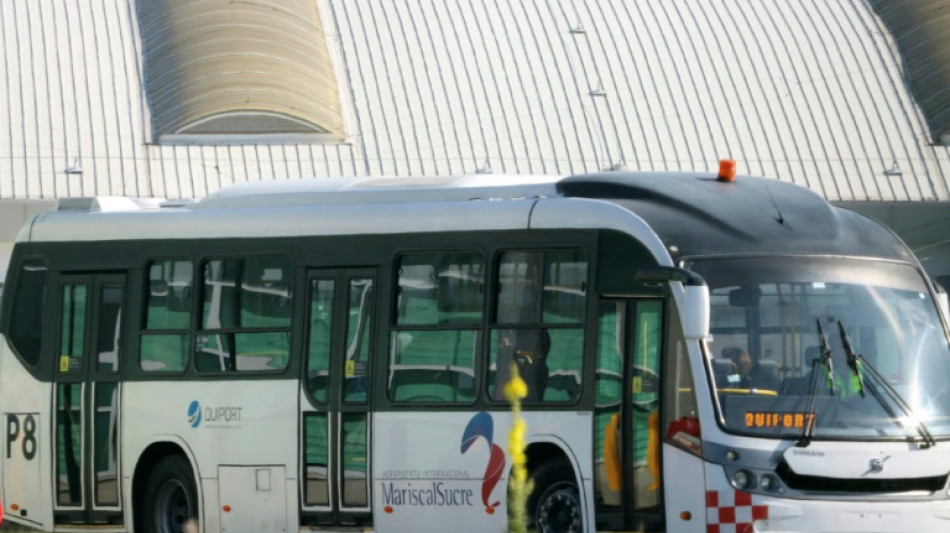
(771, 419)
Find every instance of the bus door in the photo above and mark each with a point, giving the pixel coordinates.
(86, 476)
(335, 418)
(627, 444)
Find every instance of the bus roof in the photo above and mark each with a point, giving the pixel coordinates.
(375, 190)
(683, 214)
(698, 215)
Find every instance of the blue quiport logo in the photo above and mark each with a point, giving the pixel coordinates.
(194, 413)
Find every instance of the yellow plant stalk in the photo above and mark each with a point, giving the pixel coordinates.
(518, 485)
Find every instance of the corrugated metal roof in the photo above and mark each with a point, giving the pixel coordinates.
(922, 31)
(807, 92)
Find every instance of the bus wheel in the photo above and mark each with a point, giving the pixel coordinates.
(171, 500)
(555, 502)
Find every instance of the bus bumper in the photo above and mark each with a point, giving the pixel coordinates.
(746, 513)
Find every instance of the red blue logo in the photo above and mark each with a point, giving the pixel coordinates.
(481, 426)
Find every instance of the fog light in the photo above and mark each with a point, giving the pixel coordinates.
(741, 480)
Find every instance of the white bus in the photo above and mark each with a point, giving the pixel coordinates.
(702, 355)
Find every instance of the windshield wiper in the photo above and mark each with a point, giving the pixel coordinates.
(857, 369)
(858, 363)
(853, 363)
(825, 359)
(812, 411)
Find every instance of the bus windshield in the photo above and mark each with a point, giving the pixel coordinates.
(853, 348)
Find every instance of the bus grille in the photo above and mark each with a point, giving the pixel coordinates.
(862, 485)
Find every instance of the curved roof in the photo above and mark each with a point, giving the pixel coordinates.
(811, 92)
(921, 30)
(697, 215)
(222, 68)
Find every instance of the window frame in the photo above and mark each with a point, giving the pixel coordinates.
(583, 326)
(198, 317)
(14, 296)
(394, 327)
(188, 331)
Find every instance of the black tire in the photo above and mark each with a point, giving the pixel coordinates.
(554, 505)
(171, 499)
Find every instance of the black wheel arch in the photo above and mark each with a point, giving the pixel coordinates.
(148, 460)
(540, 453)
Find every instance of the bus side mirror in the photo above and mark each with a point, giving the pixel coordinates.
(696, 303)
(696, 313)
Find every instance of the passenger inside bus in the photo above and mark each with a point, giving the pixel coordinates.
(736, 369)
(743, 362)
(723, 370)
(528, 349)
(532, 362)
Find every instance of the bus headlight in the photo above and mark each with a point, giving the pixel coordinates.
(768, 482)
(742, 479)
(755, 480)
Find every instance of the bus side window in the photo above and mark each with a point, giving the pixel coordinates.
(164, 343)
(539, 317)
(437, 334)
(26, 323)
(245, 322)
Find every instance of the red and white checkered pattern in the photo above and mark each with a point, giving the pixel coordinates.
(731, 511)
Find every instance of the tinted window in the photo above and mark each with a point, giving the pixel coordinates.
(440, 289)
(538, 327)
(72, 346)
(542, 287)
(246, 315)
(169, 295)
(437, 335)
(26, 323)
(321, 328)
(359, 344)
(519, 288)
(165, 342)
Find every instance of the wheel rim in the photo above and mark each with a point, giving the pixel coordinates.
(559, 510)
(172, 507)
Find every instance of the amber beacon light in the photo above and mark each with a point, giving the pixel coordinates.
(727, 170)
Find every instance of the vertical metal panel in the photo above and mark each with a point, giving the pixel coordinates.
(559, 118)
(558, 26)
(455, 111)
